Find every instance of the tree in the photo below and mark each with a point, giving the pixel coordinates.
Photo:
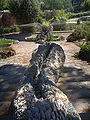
(87, 5)
(25, 11)
(56, 4)
(3, 4)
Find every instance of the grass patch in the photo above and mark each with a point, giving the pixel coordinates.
(5, 42)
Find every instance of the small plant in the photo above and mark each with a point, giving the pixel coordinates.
(88, 35)
(45, 25)
(84, 53)
(53, 38)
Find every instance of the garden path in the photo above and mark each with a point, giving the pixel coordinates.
(74, 81)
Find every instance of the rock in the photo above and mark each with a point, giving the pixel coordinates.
(42, 74)
(44, 35)
(6, 52)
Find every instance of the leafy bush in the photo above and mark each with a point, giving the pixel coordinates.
(8, 20)
(87, 4)
(3, 4)
(45, 25)
(4, 42)
(25, 11)
(13, 28)
(84, 53)
(88, 35)
(78, 34)
(53, 38)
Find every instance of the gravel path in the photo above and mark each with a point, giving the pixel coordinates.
(74, 82)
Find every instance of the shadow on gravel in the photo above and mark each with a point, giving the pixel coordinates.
(75, 87)
(20, 36)
(75, 73)
(85, 116)
(10, 76)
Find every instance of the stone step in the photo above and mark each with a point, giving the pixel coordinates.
(6, 96)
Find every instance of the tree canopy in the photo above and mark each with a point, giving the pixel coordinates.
(25, 11)
(3, 4)
(87, 5)
(55, 4)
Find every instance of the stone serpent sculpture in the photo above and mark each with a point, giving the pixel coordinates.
(37, 97)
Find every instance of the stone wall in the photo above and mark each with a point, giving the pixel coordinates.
(38, 97)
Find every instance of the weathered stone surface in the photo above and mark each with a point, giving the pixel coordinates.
(37, 97)
(44, 35)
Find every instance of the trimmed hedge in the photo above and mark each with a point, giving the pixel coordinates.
(76, 15)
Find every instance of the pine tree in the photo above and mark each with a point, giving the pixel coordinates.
(25, 11)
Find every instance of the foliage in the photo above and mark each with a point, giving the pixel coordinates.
(4, 42)
(3, 4)
(8, 20)
(45, 24)
(41, 17)
(13, 28)
(78, 34)
(84, 53)
(88, 35)
(87, 5)
(25, 11)
(76, 15)
(59, 15)
(56, 4)
(53, 38)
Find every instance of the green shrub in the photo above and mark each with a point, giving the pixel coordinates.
(45, 25)
(78, 34)
(88, 35)
(4, 42)
(84, 53)
(25, 11)
(53, 38)
(13, 28)
(76, 15)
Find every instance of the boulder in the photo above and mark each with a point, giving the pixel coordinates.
(6, 52)
(38, 97)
